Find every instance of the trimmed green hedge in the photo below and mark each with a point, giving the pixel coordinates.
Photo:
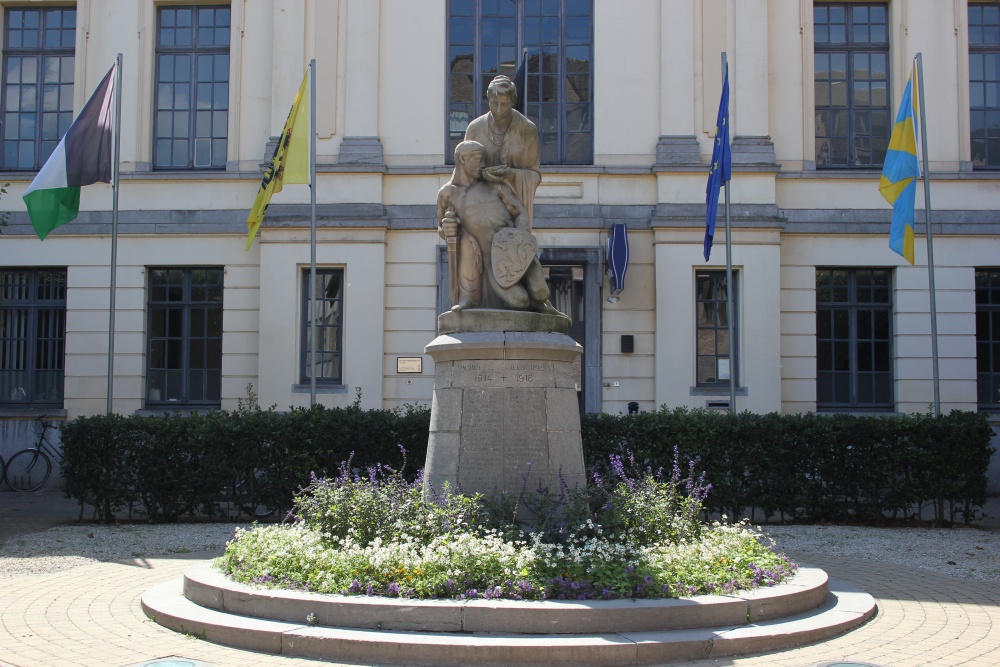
(791, 467)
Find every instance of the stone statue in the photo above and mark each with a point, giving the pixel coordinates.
(512, 153)
(490, 245)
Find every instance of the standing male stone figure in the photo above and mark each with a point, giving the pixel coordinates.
(510, 142)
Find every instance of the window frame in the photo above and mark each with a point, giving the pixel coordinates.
(718, 279)
(988, 314)
(187, 304)
(194, 50)
(44, 142)
(851, 48)
(35, 305)
(853, 306)
(980, 48)
(304, 341)
(480, 78)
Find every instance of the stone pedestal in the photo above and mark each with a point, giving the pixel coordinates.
(504, 413)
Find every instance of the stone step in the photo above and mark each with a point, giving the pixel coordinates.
(844, 608)
(206, 586)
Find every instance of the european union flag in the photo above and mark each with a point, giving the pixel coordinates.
(721, 168)
(900, 171)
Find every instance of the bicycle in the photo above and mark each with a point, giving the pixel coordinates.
(29, 469)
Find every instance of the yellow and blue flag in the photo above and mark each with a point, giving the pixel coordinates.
(902, 169)
(721, 167)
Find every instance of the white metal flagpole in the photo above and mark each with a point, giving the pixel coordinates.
(114, 228)
(930, 234)
(312, 232)
(729, 271)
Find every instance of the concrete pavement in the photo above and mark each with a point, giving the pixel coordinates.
(90, 615)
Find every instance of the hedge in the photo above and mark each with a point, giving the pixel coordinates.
(788, 467)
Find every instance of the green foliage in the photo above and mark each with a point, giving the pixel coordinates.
(814, 467)
(378, 534)
(791, 467)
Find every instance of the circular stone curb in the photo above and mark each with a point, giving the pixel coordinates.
(209, 588)
(844, 608)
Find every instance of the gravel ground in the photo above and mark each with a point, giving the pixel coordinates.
(961, 552)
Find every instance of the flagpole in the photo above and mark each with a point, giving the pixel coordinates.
(312, 232)
(114, 228)
(930, 235)
(729, 278)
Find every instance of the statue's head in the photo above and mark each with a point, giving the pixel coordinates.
(467, 148)
(502, 85)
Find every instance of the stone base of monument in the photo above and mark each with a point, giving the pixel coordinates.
(504, 413)
(372, 630)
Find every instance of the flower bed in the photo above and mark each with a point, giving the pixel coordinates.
(635, 533)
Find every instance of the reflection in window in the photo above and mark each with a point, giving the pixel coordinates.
(191, 126)
(851, 62)
(984, 84)
(184, 358)
(487, 38)
(853, 339)
(329, 327)
(37, 83)
(988, 338)
(32, 337)
(715, 361)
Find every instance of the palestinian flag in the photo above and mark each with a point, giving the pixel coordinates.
(81, 158)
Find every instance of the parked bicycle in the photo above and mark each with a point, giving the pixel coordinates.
(29, 469)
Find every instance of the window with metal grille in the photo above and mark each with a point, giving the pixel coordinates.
(184, 360)
(853, 339)
(37, 83)
(716, 358)
(32, 337)
(191, 126)
(984, 84)
(488, 37)
(988, 338)
(851, 57)
(329, 327)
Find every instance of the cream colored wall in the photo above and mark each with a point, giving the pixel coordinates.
(955, 259)
(283, 255)
(410, 314)
(788, 81)
(627, 101)
(413, 44)
(88, 299)
(634, 313)
(756, 255)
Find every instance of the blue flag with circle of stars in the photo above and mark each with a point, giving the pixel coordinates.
(721, 166)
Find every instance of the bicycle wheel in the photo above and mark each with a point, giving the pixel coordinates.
(28, 470)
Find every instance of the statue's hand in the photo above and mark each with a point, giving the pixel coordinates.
(498, 174)
(449, 227)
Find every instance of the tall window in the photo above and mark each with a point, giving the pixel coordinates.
(329, 327)
(192, 92)
(716, 357)
(984, 84)
(852, 83)
(988, 338)
(184, 363)
(32, 336)
(487, 38)
(37, 83)
(853, 339)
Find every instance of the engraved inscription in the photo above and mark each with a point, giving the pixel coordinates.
(504, 373)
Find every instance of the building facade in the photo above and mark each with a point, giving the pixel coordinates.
(625, 95)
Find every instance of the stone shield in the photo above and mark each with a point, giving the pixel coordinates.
(513, 250)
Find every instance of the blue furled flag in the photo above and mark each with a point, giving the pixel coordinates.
(901, 170)
(721, 168)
